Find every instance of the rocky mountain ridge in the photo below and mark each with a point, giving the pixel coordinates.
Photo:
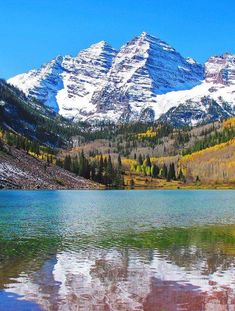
(145, 80)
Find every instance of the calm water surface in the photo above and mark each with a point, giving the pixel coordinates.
(117, 250)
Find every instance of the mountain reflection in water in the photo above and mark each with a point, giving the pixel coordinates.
(117, 251)
(114, 279)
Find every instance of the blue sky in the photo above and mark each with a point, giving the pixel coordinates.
(34, 31)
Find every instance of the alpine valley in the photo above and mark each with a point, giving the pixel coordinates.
(140, 117)
(145, 80)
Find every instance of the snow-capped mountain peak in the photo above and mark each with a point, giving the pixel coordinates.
(144, 68)
(100, 45)
(144, 80)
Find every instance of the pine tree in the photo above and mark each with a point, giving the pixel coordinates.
(140, 159)
(109, 171)
(173, 175)
(164, 171)
(67, 163)
(93, 171)
(171, 172)
(100, 170)
(119, 162)
(75, 166)
(147, 161)
(154, 171)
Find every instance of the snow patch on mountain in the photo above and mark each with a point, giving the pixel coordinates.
(220, 94)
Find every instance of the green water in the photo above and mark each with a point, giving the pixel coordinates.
(117, 250)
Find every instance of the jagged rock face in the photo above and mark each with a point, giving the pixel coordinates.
(144, 68)
(81, 77)
(67, 83)
(141, 82)
(149, 64)
(221, 69)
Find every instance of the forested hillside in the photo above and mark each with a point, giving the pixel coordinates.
(213, 164)
(149, 155)
(30, 118)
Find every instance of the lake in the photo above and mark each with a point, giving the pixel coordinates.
(117, 250)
